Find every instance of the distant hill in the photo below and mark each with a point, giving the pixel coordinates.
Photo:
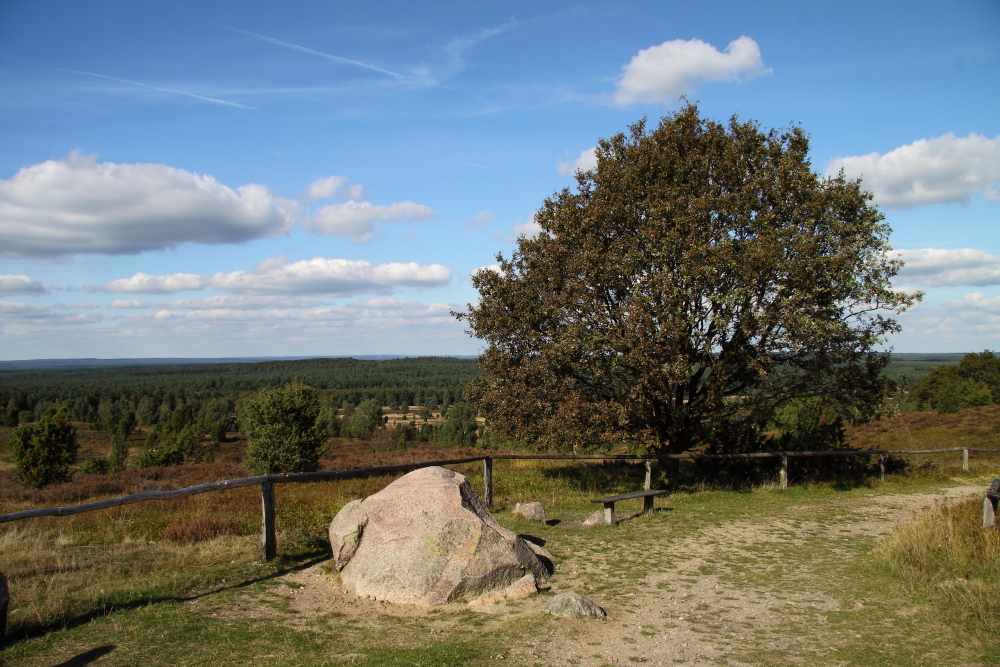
(913, 366)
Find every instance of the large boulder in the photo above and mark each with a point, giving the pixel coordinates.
(428, 539)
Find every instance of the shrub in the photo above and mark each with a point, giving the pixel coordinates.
(362, 420)
(460, 430)
(283, 429)
(98, 466)
(44, 451)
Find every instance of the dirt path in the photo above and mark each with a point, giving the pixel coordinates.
(780, 587)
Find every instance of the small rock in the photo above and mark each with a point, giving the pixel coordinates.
(530, 512)
(595, 518)
(574, 605)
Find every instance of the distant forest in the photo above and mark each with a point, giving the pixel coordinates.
(95, 395)
(100, 394)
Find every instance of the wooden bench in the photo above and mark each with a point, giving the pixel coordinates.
(609, 502)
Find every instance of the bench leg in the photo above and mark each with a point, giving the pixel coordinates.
(609, 513)
(647, 505)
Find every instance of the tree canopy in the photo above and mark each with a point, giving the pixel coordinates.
(283, 429)
(699, 278)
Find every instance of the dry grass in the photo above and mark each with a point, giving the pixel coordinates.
(948, 554)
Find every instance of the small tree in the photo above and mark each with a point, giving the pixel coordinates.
(283, 429)
(44, 451)
(460, 429)
(362, 421)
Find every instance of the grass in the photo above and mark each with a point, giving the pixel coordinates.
(116, 579)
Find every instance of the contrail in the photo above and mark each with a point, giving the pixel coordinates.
(162, 90)
(304, 49)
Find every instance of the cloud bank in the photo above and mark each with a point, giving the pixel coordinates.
(79, 205)
(665, 72)
(317, 276)
(947, 169)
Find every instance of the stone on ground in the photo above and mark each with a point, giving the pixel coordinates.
(428, 539)
(574, 605)
(530, 512)
(594, 519)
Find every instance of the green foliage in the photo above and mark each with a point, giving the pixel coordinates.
(694, 282)
(283, 429)
(44, 451)
(460, 429)
(165, 447)
(362, 420)
(975, 381)
(98, 466)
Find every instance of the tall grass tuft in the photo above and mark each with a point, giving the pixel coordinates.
(948, 553)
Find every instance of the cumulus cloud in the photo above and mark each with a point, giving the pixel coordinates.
(356, 220)
(334, 187)
(143, 283)
(935, 267)
(946, 169)
(663, 73)
(20, 284)
(586, 161)
(79, 205)
(320, 276)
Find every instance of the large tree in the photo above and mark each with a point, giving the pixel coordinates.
(699, 278)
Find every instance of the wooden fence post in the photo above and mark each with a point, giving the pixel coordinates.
(881, 467)
(965, 459)
(783, 474)
(268, 540)
(488, 481)
(4, 599)
(648, 484)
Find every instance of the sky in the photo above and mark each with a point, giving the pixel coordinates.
(220, 179)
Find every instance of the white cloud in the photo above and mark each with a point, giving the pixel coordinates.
(143, 283)
(529, 229)
(334, 187)
(320, 275)
(356, 220)
(480, 219)
(495, 268)
(979, 300)
(665, 72)
(80, 306)
(223, 301)
(946, 169)
(78, 205)
(130, 303)
(586, 161)
(25, 312)
(20, 284)
(935, 267)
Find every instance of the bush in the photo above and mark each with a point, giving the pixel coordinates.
(98, 466)
(460, 430)
(169, 448)
(283, 429)
(44, 451)
(362, 421)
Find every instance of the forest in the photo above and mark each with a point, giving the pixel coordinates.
(101, 395)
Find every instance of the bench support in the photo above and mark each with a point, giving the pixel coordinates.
(609, 512)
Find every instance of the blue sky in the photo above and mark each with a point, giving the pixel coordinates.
(255, 179)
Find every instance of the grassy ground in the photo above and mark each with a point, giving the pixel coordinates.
(757, 576)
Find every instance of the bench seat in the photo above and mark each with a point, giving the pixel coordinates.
(647, 502)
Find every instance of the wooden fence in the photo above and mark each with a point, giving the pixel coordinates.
(269, 540)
